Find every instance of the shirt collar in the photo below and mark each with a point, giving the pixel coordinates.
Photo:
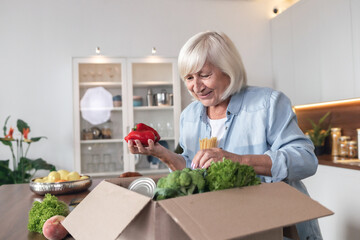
(236, 101)
(234, 106)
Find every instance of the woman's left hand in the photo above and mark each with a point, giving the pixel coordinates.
(203, 158)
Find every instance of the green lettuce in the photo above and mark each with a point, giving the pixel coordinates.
(228, 174)
(42, 211)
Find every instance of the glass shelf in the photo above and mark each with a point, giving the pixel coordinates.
(151, 84)
(100, 84)
(147, 108)
(100, 109)
(101, 141)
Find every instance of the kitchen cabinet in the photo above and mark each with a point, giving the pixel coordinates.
(355, 20)
(313, 51)
(100, 149)
(336, 189)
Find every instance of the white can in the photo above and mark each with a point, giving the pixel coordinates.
(144, 185)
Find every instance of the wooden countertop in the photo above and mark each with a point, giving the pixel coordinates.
(349, 163)
(15, 203)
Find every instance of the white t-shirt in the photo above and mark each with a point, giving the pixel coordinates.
(217, 128)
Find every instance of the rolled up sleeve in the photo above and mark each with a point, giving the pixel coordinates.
(291, 152)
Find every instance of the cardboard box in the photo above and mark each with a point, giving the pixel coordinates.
(111, 211)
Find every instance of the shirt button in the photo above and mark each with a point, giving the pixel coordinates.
(226, 128)
(228, 113)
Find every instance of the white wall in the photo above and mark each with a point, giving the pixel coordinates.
(39, 38)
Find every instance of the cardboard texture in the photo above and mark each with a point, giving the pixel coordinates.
(111, 211)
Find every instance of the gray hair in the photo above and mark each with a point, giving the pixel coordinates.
(219, 50)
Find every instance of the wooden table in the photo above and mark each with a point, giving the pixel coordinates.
(15, 203)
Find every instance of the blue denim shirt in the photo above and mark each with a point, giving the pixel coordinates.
(259, 121)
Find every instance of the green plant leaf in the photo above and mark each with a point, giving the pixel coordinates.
(4, 128)
(25, 164)
(4, 163)
(312, 123)
(323, 118)
(6, 142)
(36, 139)
(39, 163)
(317, 134)
(6, 175)
(22, 125)
(21, 177)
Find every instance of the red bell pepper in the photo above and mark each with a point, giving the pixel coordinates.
(143, 127)
(142, 136)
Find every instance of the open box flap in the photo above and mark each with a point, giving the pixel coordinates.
(240, 212)
(104, 213)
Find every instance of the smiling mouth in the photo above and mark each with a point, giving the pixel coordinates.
(204, 95)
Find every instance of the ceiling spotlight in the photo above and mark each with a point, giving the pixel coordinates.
(97, 50)
(153, 50)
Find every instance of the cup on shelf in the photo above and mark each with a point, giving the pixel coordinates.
(162, 98)
(101, 167)
(107, 161)
(110, 73)
(161, 129)
(107, 158)
(95, 159)
(99, 73)
(84, 73)
(112, 167)
(137, 101)
(90, 167)
(169, 129)
(117, 101)
(92, 73)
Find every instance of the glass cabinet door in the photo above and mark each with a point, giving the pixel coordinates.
(100, 145)
(153, 104)
(141, 90)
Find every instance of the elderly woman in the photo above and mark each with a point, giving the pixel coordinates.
(254, 126)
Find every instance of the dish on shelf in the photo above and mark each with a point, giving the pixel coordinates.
(137, 101)
(58, 188)
(96, 105)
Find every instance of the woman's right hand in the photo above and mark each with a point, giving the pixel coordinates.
(135, 147)
(172, 160)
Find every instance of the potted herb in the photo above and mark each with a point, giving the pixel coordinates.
(318, 135)
(23, 168)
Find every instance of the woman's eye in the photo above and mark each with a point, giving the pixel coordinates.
(205, 75)
(189, 78)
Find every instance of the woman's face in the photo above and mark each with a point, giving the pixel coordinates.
(208, 84)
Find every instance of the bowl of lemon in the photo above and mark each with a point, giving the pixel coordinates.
(60, 182)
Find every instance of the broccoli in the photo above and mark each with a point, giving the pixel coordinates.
(165, 193)
(187, 170)
(198, 181)
(185, 179)
(161, 182)
(173, 179)
(180, 183)
(42, 211)
(220, 175)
